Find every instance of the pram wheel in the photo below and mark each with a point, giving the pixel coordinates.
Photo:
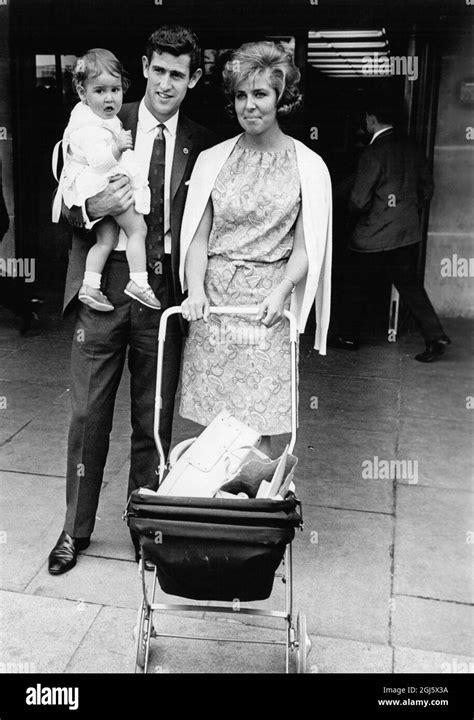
(303, 643)
(143, 631)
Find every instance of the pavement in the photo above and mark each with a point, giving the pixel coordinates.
(383, 569)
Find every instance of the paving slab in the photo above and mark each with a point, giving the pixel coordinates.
(111, 537)
(20, 402)
(112, 632)
(170, 655)
(436, 396)
(41, 447)
(38, 362)
(327, 655)
(122, 398)
(342, 562)
(444, 450)
(94, 580)
(433, 555)
(276, 602)
(341, 568)
(422, 661)
(63, 399)
(444, 627)
(39, 634)
(11, 426)
(31, 516)
(353, 402)
(101, 580)
(5, 351)
(341, 576)
(52, 335)
(456, 362)
(53, 328)
(329, 471)
(121, 426)
(27, 396)
(375, 360)
(10, 337)
(335, 655)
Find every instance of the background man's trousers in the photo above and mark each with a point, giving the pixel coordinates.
(98, 355)
(399, 267)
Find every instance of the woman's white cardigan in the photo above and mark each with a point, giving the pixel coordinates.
(316, 208)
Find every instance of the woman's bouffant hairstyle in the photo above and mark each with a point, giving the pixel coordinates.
(255, 57)
(93, 63)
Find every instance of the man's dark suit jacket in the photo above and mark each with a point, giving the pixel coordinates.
(191, 139)
(391, 185)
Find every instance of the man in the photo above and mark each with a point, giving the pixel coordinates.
(168, 144)
(391, 185)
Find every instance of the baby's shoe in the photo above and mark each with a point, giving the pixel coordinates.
(95, 299)
(144, 295)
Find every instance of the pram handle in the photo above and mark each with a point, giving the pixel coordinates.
(227, 310)
(220, 310)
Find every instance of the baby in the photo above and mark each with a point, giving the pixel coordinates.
(95, 147)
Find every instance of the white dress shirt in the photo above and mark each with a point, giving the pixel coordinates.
(147, 129)
(390, 127)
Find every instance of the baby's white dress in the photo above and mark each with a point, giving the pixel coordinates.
(89, 161)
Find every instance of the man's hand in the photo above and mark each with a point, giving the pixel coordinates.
(114, 200)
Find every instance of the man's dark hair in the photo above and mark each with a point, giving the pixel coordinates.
(176, 40)
(382, 107)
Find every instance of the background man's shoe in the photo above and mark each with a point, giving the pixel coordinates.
(63, 556)
(343, 343)
(434, 350)
(95, 299)
(144, 295)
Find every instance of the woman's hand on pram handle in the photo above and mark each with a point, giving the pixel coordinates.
(195, 307)
(271, 309)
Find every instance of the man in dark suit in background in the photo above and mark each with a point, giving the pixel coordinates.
(391, 185)
(168, 144)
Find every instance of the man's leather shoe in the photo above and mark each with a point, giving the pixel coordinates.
(343, 343)
(434, 350)
(63, 556)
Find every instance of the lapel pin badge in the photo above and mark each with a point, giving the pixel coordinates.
(186, 151)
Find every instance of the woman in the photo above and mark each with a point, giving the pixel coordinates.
(256, 231)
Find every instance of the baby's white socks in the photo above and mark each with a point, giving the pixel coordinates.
(141, 278)
(92, 279)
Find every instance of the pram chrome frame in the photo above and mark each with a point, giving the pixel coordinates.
(297, 638)
(224, 310)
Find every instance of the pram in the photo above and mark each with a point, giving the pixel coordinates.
(217, 549)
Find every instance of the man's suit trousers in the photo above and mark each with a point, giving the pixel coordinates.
(99, 350)
(399, 267)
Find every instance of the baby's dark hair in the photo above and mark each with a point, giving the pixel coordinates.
(93, 63)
